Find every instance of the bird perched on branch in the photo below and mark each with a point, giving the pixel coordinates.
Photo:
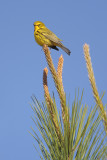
(44, 36)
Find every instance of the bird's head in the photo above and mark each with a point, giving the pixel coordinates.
(38, 25)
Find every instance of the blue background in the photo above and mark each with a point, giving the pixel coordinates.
(22, 62)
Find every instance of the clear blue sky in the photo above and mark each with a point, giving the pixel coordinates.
(22, 62)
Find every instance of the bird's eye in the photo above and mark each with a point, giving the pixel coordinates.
(37, 25)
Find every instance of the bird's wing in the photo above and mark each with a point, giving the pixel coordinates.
(50, 35)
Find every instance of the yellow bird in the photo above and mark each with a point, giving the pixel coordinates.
(44, 36)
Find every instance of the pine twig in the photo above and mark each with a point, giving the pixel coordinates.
(50, 104)
(93, 84)
(57, 81)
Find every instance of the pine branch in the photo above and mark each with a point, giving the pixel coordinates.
(93, 84)
(57, 80)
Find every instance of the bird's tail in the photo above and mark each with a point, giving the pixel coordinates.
(65, 49)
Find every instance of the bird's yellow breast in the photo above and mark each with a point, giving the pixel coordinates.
(40, 39)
